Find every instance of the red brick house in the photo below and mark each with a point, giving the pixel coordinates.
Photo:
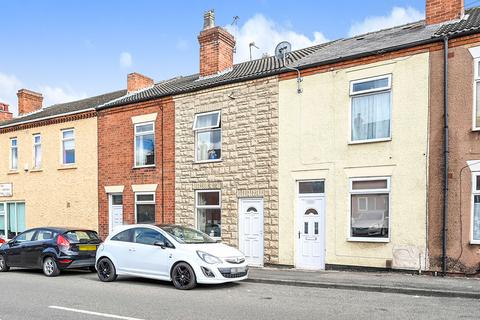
(136, 160)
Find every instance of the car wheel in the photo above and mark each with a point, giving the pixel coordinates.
(106, 270)
(50, 267)
(3, 264)
(183, 276)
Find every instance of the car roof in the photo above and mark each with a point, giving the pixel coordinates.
(61, 229)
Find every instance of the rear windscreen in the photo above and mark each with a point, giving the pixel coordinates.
(81, 236)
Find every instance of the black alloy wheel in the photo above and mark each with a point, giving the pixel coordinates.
(106, 270)
(3, 264)
(183, 276)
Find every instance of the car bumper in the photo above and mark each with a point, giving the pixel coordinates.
(75, 264)
(221, 273)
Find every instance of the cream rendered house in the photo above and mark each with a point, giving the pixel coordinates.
(48, 165)
(353, 150)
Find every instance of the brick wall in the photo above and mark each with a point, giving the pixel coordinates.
(116, 159)
(438, 11)
(249, 166)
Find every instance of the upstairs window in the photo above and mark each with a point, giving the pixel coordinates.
(371, 109)
(208, 136)
(68, 146)
(145, 144)
(476, 89)
(13, 154)
(37, 151)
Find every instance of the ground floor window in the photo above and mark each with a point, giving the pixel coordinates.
(145, 207)
(12, 219)
(370, 208)
(209, 212)
(476, 207)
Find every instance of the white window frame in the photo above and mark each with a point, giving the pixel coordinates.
(35, 144)
(145, 202)
(475, 192)
(212, 128)
(11, 154)
(369, 191)
(62, 145)
(219, 206)
(365, 93)
(135, 134)
(476, 79)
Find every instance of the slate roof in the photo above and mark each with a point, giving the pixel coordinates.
(469, 24)
(63, 108)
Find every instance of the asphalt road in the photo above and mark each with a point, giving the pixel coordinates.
(30, 295)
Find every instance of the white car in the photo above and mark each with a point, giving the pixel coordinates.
(174, 253)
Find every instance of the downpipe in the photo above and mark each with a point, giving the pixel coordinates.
(445, 159)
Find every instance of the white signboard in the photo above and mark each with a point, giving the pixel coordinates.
(6, 190)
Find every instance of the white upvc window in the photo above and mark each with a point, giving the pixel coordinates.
(68, 147)
(13, 154)
(370, 110)
(208, 136)
(209, 213)
(475, 220)
(476, 94)
(37, 151)
(369, 209)
(145, 144)
(145, 207)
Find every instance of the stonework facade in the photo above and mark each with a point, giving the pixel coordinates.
(249, 164)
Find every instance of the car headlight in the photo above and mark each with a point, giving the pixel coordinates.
(208, 258)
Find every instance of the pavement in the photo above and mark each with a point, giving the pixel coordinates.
(79, 295)
(388, 282)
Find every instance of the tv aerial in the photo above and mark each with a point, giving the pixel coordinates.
(282, 50)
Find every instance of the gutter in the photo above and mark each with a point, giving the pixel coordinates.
(445, 158)
(46, 118)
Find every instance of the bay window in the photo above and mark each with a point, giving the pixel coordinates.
(209, 213)
(145, 144)
(370, 109)
(208, 136)
(369, 209)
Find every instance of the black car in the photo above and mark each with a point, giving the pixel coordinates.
(51, 249)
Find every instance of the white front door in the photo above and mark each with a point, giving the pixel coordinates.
(115, 210)
(310, 233)
(251, 230)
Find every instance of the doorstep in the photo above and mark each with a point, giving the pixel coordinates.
(390, 282)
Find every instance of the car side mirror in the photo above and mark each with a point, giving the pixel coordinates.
(160, 244)
(13, 243)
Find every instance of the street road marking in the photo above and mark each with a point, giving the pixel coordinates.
(106, 315)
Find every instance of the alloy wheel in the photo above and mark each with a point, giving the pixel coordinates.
(106, 270)
(3, 264)
(183, 277)
(49, 267)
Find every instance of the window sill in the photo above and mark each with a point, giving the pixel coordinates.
(373, 240)
(67, 167)
(36, 170)
(144, 167)
(474, 242)
(369, 141)
(13, 172)
(208, 161)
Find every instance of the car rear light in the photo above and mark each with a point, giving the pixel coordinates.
(62, 242)
(65, 261)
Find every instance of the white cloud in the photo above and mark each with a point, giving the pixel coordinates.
(9, 85)
(126, 59)
(267, 34)
(54, 95)
(397, 16)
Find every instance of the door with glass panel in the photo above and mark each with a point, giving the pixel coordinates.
(116, 211)
(251, 230)
(310, 231)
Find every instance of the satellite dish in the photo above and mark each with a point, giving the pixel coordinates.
(282, 49)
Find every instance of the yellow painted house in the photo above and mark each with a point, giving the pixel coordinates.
(353, 152)
(48, 164)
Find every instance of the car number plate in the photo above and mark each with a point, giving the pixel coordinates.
(87, 247)
(238, 270)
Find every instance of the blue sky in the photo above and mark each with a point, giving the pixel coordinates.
(73, 49)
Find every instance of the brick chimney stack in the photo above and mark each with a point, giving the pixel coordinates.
(137, 81)
(216, 47)
(4, 113)
(28, 101)
(438, 11)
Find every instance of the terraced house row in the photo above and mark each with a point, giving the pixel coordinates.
(368, 156)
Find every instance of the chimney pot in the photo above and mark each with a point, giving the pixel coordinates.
(209, 19)
(29, 101)
(137, 81)
(439, 11)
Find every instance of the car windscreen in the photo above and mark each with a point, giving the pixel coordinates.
(82, 236)
(187, 235)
